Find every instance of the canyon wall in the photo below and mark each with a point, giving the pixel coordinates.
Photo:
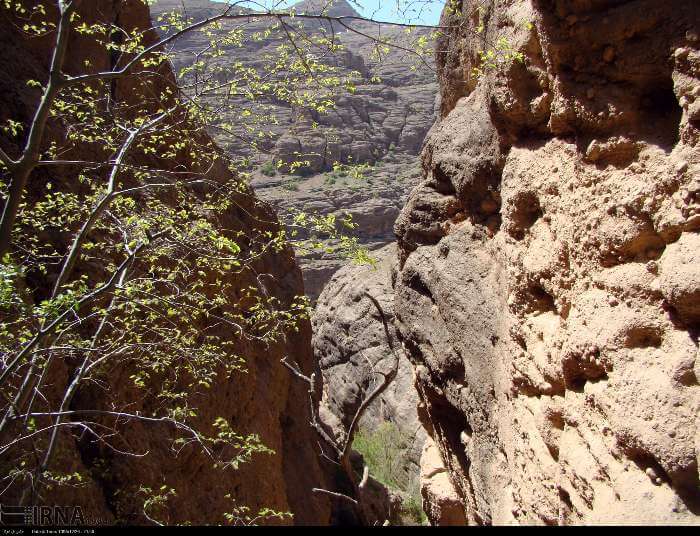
(374, 202)
(352, 351)
(389, 110)
(548, 286)
(264, 400)
(382, 123)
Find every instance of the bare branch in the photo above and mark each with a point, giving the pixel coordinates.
(343, 453)
(6, 160)
(387, 378)
(365, 478)
(295, 371)
(336, 495)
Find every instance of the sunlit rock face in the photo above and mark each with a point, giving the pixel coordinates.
(548, 274)
(383, 123)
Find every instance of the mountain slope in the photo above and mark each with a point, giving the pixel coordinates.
(382, 123)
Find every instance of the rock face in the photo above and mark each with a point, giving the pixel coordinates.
(265, 400)
(349, 341)
(442, 503)
(547, 291)
(390, 109)
(374, 202)
(383, 123)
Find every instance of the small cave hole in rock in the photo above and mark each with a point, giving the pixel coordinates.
(662, 115)
(525, 213)
(452, 423)
(565, 498)
(540, 300)
(643, 337)
(576, 382)
(442, 182)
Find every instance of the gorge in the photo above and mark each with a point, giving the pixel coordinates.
(529, 197)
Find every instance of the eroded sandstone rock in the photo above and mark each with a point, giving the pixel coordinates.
(548, 282)
(349, 343)
(441, 502)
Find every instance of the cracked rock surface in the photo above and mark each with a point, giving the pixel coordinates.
(547, 291)
(352, 350)
(382, 123)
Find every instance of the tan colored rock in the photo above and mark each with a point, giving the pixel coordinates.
(680, 277)
(441, 503)
(555, 340)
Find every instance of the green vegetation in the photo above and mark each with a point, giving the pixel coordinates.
(269, 169)
(386, 453)
(135, 257)
(349, 174)
(497, 57)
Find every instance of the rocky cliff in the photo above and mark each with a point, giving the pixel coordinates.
(548, 286)
(381, 123)
(265, 400)
(351, 347)
(374, 202)
(354, 352)
(389, 110)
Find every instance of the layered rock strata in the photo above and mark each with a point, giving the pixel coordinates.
(382, 123)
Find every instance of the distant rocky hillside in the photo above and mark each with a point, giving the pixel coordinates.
(382, 123)
(374, 202)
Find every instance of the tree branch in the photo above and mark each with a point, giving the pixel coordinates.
(39, 336)
(387, 379)
(109, 75)
(344, 452)
(6, 160)
(23, 167)
(336, 495)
